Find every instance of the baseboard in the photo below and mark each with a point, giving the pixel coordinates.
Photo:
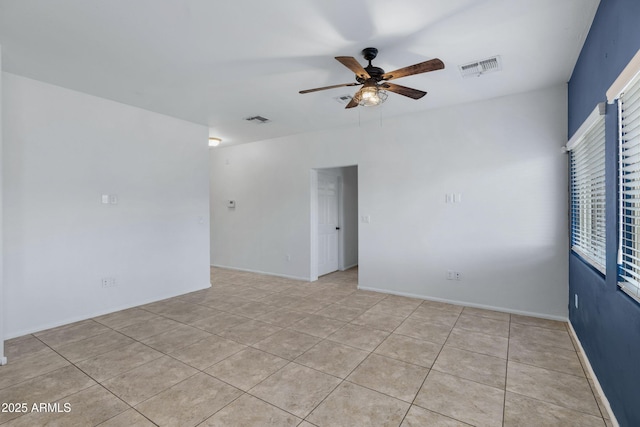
(348, 267)
(467, 304)
(3, 361)
(266, 273)
(593, 376)
(100, 313)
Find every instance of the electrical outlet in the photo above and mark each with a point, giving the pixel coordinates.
(288, 257)
(454, 275)
(109, 282)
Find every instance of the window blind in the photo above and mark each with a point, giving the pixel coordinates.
(587, 165)
(629, 192)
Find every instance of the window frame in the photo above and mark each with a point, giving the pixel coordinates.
(628, 261)
(587, 188)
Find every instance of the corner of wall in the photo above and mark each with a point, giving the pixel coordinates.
(3, 359)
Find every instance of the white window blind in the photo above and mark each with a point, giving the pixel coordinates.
(629, 192)
(588, 226)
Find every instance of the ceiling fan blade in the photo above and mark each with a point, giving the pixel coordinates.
(351, 63)
(329, 87)
(403, 90)
(355, 100)
(422, 67)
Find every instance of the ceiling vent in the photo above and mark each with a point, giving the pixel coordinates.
(478, 68)
(258, 119)
(343, 99)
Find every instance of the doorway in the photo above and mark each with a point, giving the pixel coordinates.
(328, 223)
(334, 220)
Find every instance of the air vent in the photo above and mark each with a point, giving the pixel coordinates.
(258, 119)
(343, 99)
(478, 68)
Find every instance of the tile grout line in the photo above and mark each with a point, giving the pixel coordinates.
(22, 382)
(85, 373)
(342, 380)
(557, 405)
(247, 284)
(552, 370)
(146, 363)
(431, 370)
(506, 376)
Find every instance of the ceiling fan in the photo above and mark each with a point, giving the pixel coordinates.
(374, 80)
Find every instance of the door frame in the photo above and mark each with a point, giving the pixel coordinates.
(313, 240)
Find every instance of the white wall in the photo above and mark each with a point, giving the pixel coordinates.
(508, 236)
(2, 309)
(350, 218)
(62, 151)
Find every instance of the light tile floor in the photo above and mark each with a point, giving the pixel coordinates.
(255, 350)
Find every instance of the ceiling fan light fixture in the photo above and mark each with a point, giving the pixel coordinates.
(371, 95)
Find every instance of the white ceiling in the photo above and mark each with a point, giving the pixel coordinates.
(216, 62)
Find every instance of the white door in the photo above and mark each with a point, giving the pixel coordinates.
(328, 226)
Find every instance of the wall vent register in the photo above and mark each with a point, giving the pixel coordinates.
(478, 68)
(258, 119)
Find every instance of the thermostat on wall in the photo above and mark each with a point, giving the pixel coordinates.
(231, 203)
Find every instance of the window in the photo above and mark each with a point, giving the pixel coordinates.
(586, 150)
(629, 188)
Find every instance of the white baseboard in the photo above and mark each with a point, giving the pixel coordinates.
(74, 319)
(266, 273)
(467, 304)
(3, 361)
(348, 267)
(593, 376)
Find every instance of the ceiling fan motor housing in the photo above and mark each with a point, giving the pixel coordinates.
(370, 53)
(375, 73)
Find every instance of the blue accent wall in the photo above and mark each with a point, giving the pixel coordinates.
(607, 321)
